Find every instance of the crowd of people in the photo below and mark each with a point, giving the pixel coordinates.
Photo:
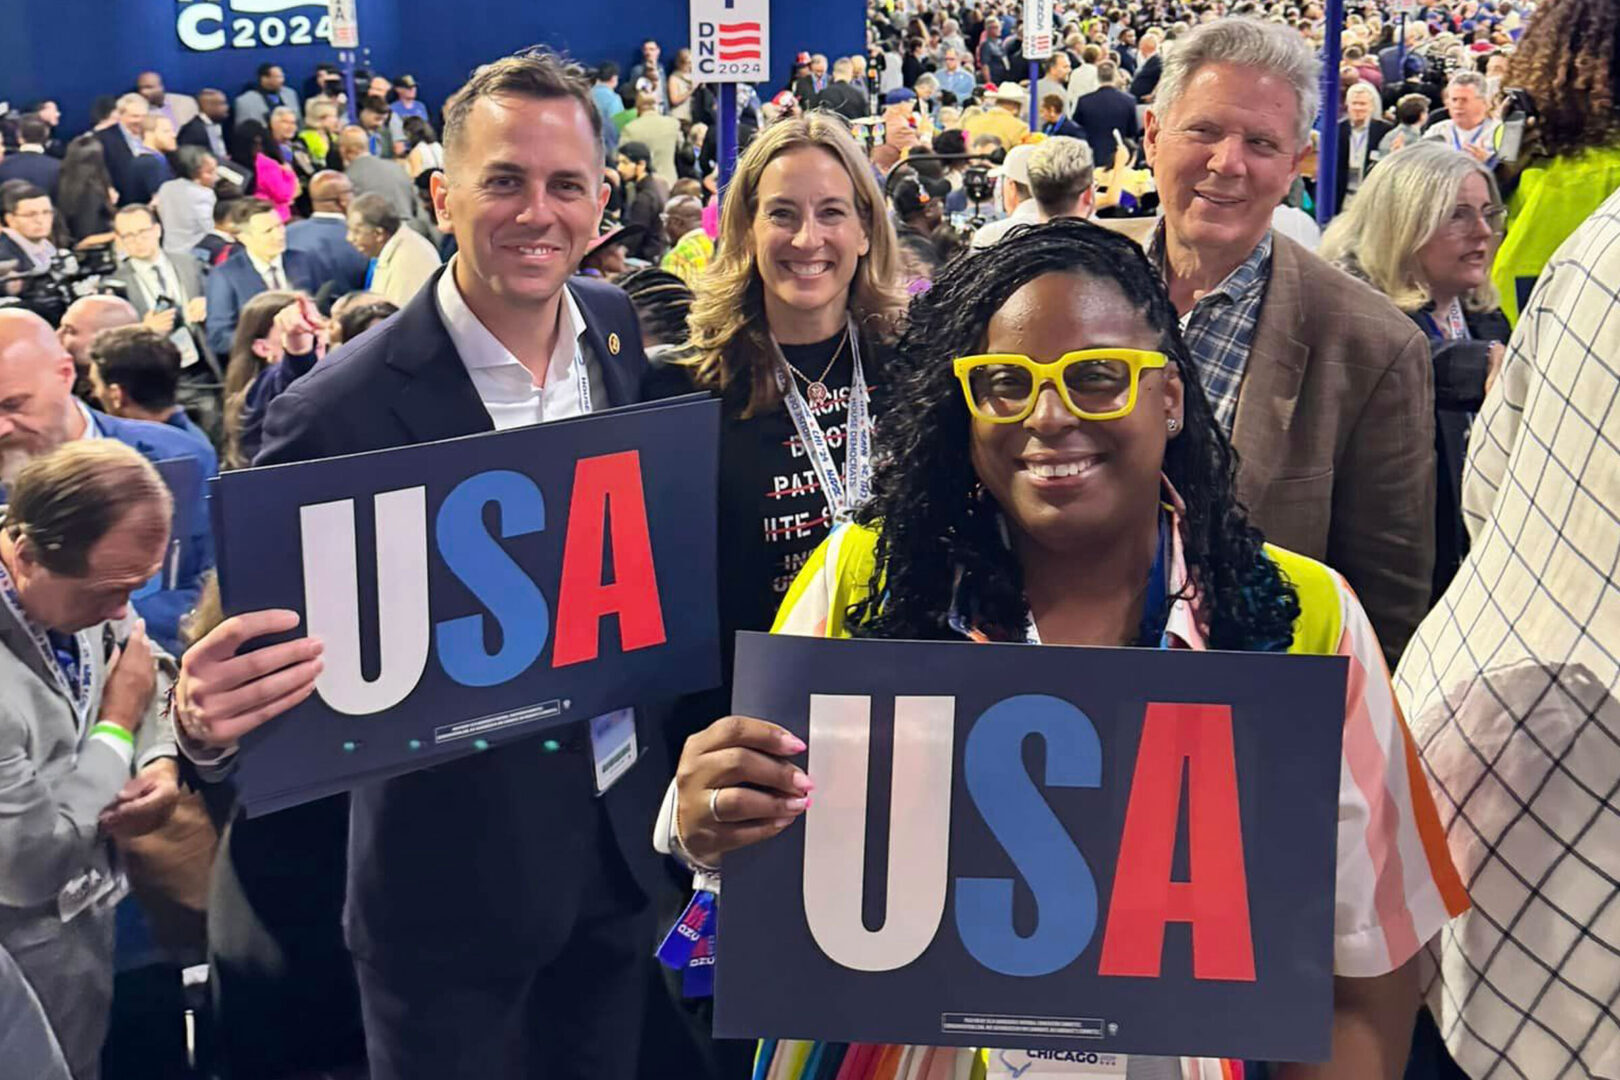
(1393, 441)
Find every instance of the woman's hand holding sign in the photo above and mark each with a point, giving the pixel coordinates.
(735, 786)
(222, 696)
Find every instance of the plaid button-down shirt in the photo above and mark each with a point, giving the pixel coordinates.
(1220, 327)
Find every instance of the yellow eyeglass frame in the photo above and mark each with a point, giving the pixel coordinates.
(1138, 360)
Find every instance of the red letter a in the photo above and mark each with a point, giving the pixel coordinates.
(607, 487)
(1216, 900)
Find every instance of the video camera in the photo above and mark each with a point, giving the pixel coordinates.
(977, 184)
(49, 292)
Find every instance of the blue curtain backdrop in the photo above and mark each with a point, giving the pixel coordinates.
(73, 50)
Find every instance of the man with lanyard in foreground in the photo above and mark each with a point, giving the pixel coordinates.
(86, 525)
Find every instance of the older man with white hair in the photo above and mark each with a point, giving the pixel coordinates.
(123, 143)
(1360, 134)
(1324, 387)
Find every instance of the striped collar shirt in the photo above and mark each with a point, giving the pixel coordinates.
(1513, 687)
(1220, 327)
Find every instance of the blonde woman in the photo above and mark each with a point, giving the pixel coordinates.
(1423, 231)
(322, 121)
(789, 327)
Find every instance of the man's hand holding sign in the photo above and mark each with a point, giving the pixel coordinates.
(489, 620)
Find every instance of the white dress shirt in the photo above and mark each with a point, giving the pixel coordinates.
(504, 385)
(264, 271)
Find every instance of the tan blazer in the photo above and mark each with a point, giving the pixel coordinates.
(1335, 436)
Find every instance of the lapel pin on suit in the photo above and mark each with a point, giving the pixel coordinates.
(613, 344)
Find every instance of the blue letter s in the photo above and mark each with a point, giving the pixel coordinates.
(490, 575)
(1040, 848)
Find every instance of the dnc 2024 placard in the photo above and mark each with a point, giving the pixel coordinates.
(1113, 850)
(477, 590)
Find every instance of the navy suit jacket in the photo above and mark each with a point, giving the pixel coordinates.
(234, 282)
(164, 604)
(120, 164)
(1065, 126)
(470, 862)
(1099, 113)
(327, 239)
(41, 170)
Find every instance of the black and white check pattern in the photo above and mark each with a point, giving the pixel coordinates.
(1511, 683)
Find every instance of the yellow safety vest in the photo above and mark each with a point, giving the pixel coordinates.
(1316, 631)
(1552, 199)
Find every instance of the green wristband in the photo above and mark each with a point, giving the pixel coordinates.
(116, 731)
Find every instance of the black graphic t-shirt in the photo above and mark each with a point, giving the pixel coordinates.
(772, 513)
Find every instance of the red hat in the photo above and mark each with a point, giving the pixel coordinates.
(785, 100)
(802, 58)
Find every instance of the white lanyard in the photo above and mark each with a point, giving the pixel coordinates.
(582, 380)
(1456, 140)
(1456, 325)
(78, 695)
(844, 494)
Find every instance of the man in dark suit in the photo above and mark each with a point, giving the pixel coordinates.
(30, 162)
(841, 96)
(1054, 122)
(1102, 112)
(808, 88)
(206, 130)
(324, 235)
(262, 262)
(25, 242)
(123, 143)
(497, 909)
(1148, 70)
(1360, 132)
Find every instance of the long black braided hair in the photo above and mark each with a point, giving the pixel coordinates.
(935, 521)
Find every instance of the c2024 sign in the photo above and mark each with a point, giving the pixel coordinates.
(211, 25)
(1119, 850)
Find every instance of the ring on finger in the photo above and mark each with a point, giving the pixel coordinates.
(714, 805)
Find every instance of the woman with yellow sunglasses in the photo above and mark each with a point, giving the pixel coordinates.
(1050, 471)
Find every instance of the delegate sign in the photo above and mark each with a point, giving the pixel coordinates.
(477, 590)
(1111, 850)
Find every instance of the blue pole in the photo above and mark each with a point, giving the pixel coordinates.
(727, 142)
(1034, 95)
(1400, 51)
(1327, 159)
(346, 58)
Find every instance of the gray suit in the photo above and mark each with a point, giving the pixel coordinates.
(369, 173)
(202, 374)
(250, 104)
(54, 783)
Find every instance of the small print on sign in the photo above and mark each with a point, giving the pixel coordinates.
(345, 24)
(1068, 1064)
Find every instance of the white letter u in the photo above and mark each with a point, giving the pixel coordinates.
(332, 598)
(919, 829)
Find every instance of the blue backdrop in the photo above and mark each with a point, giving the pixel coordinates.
(73, 50)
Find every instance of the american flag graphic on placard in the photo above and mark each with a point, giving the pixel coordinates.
(739, 41)
(731, 40)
